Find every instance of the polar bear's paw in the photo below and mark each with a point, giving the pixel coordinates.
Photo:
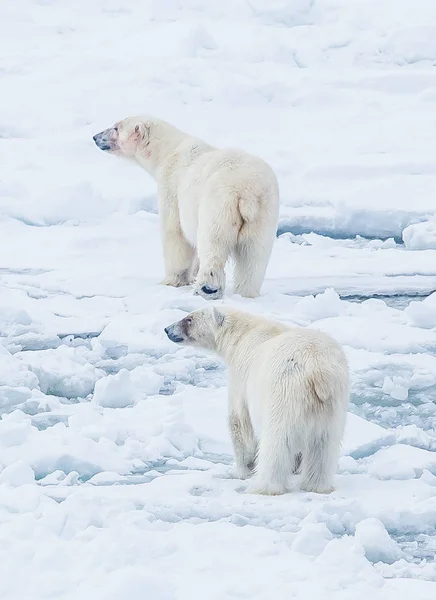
(210, 283)
(209, 293)
(240, 472)
(266, 488)
(175, 281)
(320, 488)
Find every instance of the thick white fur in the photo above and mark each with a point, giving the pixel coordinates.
(213, 204)
(288, 396)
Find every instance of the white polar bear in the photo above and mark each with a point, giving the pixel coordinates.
(288, 396)
(212, 203)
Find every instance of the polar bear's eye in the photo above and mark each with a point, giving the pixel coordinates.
(116, 129)
(189, 320)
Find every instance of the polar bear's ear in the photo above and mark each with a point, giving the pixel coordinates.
(142, 132)
(218, 316)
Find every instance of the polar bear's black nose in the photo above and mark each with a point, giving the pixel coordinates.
(174, 337)
(207, 290)
(94, 137)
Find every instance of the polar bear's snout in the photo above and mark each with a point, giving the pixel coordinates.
(175, 332)
(106, 140)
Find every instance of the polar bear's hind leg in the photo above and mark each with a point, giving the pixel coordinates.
(219, 226)
(320, 459)
(251, 257)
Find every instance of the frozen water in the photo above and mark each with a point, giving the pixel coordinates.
(376, 542)
(115, 391)
(114, 450)
(421, 236)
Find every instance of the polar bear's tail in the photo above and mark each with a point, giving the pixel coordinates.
(249, 207)
(320, 379)
(327, 375)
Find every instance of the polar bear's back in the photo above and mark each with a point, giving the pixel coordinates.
(217, 171)
(226, 182)
(236, 169)
(299, 373)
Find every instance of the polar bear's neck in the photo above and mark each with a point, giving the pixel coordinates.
(164, 145)
(241, 334)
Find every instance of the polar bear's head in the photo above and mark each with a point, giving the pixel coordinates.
(199, 328)
(125, 138)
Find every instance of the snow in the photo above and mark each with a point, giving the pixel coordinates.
(423, 314)
(115, 391)
(421, 236)
(114, 451)
(376, 542)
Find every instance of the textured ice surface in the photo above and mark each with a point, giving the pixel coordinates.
(114, 450)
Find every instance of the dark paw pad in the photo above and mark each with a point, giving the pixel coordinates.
(207, 290)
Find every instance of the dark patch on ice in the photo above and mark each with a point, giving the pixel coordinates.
(58, 499)
(168, 388)
(68, 463)
(372, 447)
(201, 490)
(35, 343)
(7, 271)
(43, 421)
(404, 413)
(400, 300)
(29, 222)
(85, 335)
(417, 547)
(29, 407)
(145, 474)
(287, 226)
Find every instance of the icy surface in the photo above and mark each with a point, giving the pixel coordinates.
(421, 236)
(114, 450)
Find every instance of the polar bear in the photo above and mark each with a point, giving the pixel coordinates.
(213, 204)
(288, 396)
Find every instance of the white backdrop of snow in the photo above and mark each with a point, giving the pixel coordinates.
(125, 492)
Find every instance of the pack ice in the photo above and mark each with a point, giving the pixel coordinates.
(114, 451)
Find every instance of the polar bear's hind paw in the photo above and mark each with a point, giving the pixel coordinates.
(209, 293)
(266, 488)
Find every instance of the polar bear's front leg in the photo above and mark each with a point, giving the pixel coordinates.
(179, 255)
(178, 259)
(244, 443)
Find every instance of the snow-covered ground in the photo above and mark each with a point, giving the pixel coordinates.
(114, 453)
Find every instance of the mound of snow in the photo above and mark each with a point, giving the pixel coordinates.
(376, 542)
(115, 391)
(396, 387)
(146, 381)
(376, 334)
(312, 539)
(321, 306)
(62, 372)
(401, 462)
(14, 373)
(76, 202)
(14, 429)
(13, 318)
(422, 314)
(18, 473)
(411, 45)
(420, 236)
